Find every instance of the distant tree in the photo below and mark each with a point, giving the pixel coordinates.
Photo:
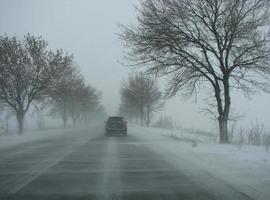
(99, 114)
(140, 97)
(60, 92)
(85, 101)
(75, 98)
(128, 108)
(71, 98)
(222, 43)
(27, 68)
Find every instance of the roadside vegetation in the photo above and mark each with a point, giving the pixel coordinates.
(71, 99)
(216, 46)
(253, 135)
(140, 98)
(34, 76)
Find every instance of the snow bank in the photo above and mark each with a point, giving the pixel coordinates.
(12, 139)
(181, 134)
(247, 168)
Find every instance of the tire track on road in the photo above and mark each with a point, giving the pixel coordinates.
(16, 183)
(110, 186)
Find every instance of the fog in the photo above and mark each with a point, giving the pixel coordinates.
(88, 29)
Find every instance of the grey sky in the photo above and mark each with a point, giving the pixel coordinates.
(87, 28)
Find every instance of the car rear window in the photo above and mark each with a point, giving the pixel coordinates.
(116, 118)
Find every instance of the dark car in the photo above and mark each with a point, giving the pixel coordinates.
(117, 125)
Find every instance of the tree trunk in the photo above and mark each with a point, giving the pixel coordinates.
(20, 119)
(64, 121)
(74, 119)
(223, 130)
(147, 117)
(223, 120)
(223, 112)
(7, 126)
(137, 119)
(141, 116)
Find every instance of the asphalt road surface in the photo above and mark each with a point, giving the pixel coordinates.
(82, 165)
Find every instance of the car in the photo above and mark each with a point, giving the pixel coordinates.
(116, 125)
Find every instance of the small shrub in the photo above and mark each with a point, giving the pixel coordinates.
(240, 141)
(255, 134)
(267, 142)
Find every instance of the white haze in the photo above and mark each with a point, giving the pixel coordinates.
(88, 29)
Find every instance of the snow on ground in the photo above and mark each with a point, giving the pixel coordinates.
(247, 168)
(184, 135)
(8, 140)
(12, 139)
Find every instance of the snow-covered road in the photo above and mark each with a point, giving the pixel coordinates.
(85, 164)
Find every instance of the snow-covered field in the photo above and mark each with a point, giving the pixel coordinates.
(247, 168)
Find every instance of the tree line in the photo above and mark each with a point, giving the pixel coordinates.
(72, 99)
(32, 74)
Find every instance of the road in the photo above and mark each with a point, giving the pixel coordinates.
(87, 165)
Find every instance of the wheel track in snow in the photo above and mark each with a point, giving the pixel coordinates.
(110, 186)
(21, 179)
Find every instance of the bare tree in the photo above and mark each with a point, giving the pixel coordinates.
(140, 97)
(71, 98)
(222, 43)
(60, 91)
(129, 105)
(27, 68)
(128, 108)
(85, 100)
